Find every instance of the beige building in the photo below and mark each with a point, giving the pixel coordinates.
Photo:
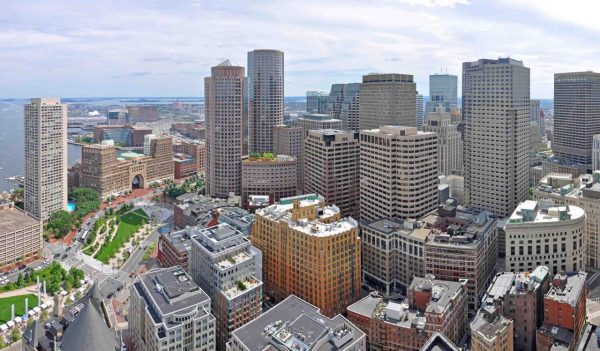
(290, 141)
(398, 173)
(450, 145)
(496, 112)
(387, 99)
(542, 233)
(20, 234)
(224, 125)
(309, 251)
(268, 175)
(45, 157)
(490, 331)
(583, 192)
(393, 254)
(318, 121)
(266, 86)
(111, 174)
(331, 168)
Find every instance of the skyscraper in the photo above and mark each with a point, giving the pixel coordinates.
(290, 141)
(442, 90)
(496, 113)
(576, 115)
(265, 80)
(450, 145)
(316, 102)
(224, 106)
(420, 111)
(534, 110)
(387, 99)
(332, 168)
(398, 173)
(343, 104)
(45, 157)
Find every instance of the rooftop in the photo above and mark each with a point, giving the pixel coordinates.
(407, 228)
(294, 324)
(218, 238)
(180, 240)
(489, 323)
(543, 211)
(439, 342)
(567, 288)
(13, 218)
(169, 290)
(514, 284)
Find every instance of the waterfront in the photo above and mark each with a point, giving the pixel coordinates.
(12, 152)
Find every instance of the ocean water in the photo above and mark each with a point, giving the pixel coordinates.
(12, 151)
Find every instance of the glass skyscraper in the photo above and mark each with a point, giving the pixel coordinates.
(442, 90)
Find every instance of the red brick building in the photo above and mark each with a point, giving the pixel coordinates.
(431, 306)
(564, 312)
(173, 249)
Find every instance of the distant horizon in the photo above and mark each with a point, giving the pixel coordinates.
(171, 97)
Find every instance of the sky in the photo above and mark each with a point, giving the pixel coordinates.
(70, 48)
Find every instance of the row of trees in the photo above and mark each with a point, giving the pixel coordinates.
(61, 222)
(55, 275)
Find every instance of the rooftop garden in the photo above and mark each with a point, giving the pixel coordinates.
(265, 156)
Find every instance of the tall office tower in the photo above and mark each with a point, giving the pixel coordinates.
(387, 99)
(496, 114)
(332, 168)
(290, 141)
(265, 80)
(420, 111)
(596, 152)
(309, 251)
(224, 266)
(576, 115)
(344, 105)
(398, 173)
(224, 106)
(443, 89)
(450, 145)
(316, 102)
(168, 311)
(534, 110)
(45, 157)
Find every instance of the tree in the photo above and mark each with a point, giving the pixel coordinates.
(15, 334)
(2, 342)
(60, 223)
(44, 316)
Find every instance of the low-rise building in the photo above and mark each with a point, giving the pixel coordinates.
(463, 245)
(431, 306)
(583, 192)
(564, 313)
(174, 249)
(236, 217)
(393, 254)
(269, 175)
(20, 234)
(200, 210)
(309, 251)
(224, 266)
(542, 233)
(519, 297)
(124, 135)
(294, 324)
(490, 331)
(184, 166)
(109, 174)
(168, 311)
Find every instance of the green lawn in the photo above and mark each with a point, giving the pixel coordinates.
(19, 302)
(128, 225)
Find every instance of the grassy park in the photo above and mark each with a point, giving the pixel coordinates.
(129, 224)
(19, 302)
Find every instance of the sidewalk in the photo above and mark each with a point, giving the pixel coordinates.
(23, 291)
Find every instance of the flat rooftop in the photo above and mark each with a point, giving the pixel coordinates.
(570, 290)
(282, 324)
(169, 290)
(543, 211)
(13, 218)
(405, 228)
(488, 322)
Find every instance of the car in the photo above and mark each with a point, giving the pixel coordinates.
(80, 306)
(37, 268)
(3, 282)
(64, 256)
(57, 255)
(68, 249)
(22, 267)
(109, 296)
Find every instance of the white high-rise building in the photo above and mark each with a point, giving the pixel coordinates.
(265, 84)
(398, 173)
(450, 145)
(387, 99)
(45, 157)
(496, 115)
(224, 106)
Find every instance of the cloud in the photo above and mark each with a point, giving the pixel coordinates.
(56, 47)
